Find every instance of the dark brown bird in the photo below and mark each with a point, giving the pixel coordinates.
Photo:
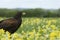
(12, 24)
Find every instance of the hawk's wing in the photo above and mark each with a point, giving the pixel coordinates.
(8, 23)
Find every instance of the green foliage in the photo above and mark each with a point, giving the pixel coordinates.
(7, 12)
(38, 12)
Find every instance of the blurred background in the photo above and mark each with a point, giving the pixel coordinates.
(41, 21)
(35, 8)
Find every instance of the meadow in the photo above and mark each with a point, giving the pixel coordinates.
(35, 29)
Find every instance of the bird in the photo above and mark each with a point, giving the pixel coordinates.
(12, 24)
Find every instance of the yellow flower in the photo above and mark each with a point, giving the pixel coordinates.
(3, 38)
(47, 26)
(2, 31)
(19, 39)
(54, 21)
(54, 34)
(31, 33)
(53, 27)
(49, 22)
(15, 35)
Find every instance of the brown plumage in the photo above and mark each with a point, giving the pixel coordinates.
(12, 24)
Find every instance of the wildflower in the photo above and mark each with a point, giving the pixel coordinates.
(54, 35)
(54, 21)
(49, 22)
(1, 31)
(8, 34)
(53, 27)
(31, 33)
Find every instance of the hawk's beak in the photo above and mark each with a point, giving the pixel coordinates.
(23, 13)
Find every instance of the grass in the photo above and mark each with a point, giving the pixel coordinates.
(39, 29)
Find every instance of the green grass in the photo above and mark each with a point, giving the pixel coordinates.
(40, 28)
(28, 24)
(44, 27)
